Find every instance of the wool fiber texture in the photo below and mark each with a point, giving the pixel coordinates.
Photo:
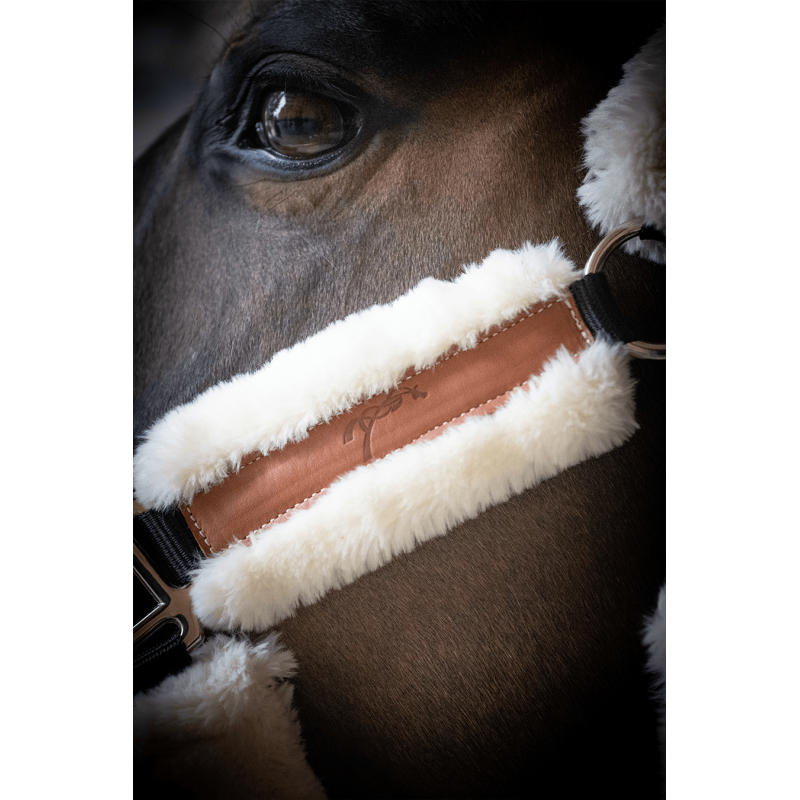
(197, 445)
(625, 150)
(225, 726)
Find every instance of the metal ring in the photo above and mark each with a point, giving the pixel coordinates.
(617, 237)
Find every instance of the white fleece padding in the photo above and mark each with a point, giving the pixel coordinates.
(574, 410)
(225, 726)
(198, 444)
(625, 150)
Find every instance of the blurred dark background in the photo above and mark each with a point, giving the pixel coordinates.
(175, 45)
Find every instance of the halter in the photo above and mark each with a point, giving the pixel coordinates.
(168, 544)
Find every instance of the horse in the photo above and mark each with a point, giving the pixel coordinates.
(503, 659)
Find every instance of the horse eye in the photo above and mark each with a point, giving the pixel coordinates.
(300, 124)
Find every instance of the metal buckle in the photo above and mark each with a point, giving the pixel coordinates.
(170, 604)
(607, 246)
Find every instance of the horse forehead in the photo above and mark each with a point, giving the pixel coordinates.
(363, 36)
(410, 40)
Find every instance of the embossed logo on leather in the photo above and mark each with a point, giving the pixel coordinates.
(371, 414)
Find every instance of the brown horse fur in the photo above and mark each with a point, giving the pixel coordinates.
(502, 660)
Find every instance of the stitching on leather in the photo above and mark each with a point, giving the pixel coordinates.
(197, 525)
(248, 463)
(581, 327)
(437, 363)
(485, 339)
(414, 441)
(448, 422)
(296, 505)
(436, 427)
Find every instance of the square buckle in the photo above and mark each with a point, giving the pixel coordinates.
(159, 603)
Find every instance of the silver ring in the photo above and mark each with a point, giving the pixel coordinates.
(617, 237)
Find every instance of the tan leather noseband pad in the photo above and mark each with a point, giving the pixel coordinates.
(425, 404)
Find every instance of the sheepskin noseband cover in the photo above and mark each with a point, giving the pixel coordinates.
(384, 430)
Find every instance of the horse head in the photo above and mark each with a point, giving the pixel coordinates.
(339, 153)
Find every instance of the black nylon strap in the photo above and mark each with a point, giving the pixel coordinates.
(166, 539)
(161, 654)
(599, 309)
(596, 302)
